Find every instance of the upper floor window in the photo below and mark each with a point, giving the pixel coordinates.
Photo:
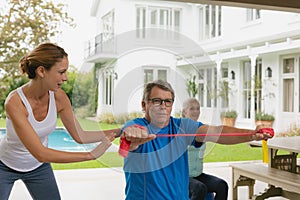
(108, 22)
(210, 19)
(252, 14)
(157, 17)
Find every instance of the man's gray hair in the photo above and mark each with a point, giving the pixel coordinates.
(164, 85)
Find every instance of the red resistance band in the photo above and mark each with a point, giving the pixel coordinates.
(125, 144)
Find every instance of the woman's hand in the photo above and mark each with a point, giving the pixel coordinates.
(101, 148)
(110, 136)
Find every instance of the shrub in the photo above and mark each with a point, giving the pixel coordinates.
(292, 131)
(260, 116)
(229, 114)
(83, 111)
(121, 118)
(107, 118)
(134, 115)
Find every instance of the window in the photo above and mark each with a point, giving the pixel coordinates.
(152, 73)
(148, 75)
(108, 86)
(162, 74)
(108, 22)
(289, 87)
(224, 71)
(252, 14)
(157, 17)
(210, 19)
(201, 87)
(224, 86)
(258, 86)
(288, 100)
(207, 87)
(247, 87)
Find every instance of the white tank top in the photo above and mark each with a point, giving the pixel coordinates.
(12, 151)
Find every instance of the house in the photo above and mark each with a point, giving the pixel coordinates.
(238, 58)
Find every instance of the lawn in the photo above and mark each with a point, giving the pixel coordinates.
(214, 152)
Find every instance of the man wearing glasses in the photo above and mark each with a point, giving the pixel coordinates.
(156, 167)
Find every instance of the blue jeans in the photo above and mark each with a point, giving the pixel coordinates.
(204, 184)
(40, 182)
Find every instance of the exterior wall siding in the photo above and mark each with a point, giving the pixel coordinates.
(238, 42)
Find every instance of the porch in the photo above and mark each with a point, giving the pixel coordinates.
(109, 183)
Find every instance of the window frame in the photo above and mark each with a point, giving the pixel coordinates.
(210, 22)
(171, 17)
(253, 14)
(155, 74)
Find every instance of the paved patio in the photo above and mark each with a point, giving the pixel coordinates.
(109, 183)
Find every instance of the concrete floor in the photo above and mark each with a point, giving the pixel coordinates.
(109, 183)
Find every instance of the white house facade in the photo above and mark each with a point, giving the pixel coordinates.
(251, 55)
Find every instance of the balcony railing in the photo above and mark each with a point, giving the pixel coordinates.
(102, 43)
(108, 43)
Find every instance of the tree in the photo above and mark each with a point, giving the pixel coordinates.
(24, 25)
(68, 86)
(84, 94)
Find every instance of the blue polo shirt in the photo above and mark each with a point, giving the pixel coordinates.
(158, 169)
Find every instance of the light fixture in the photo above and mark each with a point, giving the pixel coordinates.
(232, 75)
(115, 75)
(268, 72)
(112, 74)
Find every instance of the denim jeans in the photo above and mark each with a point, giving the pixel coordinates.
(40, 182)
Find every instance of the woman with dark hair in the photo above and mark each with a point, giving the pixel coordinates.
(31, 112)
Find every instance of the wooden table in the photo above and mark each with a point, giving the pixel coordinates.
(281, 183)
(287, 162)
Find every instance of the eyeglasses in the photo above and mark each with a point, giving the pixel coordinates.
(158, 102)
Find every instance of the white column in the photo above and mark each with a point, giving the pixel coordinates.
(219, 79)
(252, 111)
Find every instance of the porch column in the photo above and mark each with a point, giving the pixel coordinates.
(252, 111)
(219, 79)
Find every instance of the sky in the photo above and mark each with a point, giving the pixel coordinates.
(73, 39)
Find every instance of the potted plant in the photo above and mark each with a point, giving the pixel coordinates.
(228, 117)
(264, 119)
(192, 87)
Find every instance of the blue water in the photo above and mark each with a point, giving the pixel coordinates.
(60, 139)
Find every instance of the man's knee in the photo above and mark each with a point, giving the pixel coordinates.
(223, 184)
(197, 189)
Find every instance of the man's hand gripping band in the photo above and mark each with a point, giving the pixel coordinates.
(132, 141)
(125, 144)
